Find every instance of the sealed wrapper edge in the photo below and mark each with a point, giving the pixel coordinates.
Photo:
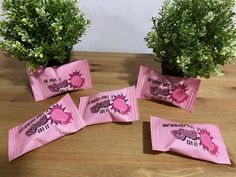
(82, 105)
(88, 75)
(80, 122)
(134, 102)
(140, 82)
(153, 133)
(38, 95)
(196, 84)
(11, 143)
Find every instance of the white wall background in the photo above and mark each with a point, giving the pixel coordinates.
(119, 25)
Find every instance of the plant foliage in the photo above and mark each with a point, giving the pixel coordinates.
(194, 36)
(40, 31)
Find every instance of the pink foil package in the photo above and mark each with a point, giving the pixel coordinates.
(113, 106)
(201, 141)
(179, 91)
(51, 81)
(59, 120)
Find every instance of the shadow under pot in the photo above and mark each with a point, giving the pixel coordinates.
(65, 61)
(166, 70)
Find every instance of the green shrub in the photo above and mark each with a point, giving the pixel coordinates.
(41, 31)
(194, 36)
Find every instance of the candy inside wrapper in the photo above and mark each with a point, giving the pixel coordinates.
(60, 119)
(47, 82)
(179, 91)
(201, 141)
(113, 106)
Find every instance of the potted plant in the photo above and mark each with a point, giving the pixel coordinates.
(41, 32)
(193, 37)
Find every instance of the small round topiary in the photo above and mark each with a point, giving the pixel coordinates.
(41, 32)
(194, 37)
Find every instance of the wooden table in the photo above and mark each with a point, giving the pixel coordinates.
(114, 149)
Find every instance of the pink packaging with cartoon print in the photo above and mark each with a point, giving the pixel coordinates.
(201, 141)
(50, 81)
(59, 120)
(113, 106)
(179, 91)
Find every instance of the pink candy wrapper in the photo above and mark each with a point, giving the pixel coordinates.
(201, 141)
(47, 82)
(60, 119)
(112, 106)
(181, 92)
